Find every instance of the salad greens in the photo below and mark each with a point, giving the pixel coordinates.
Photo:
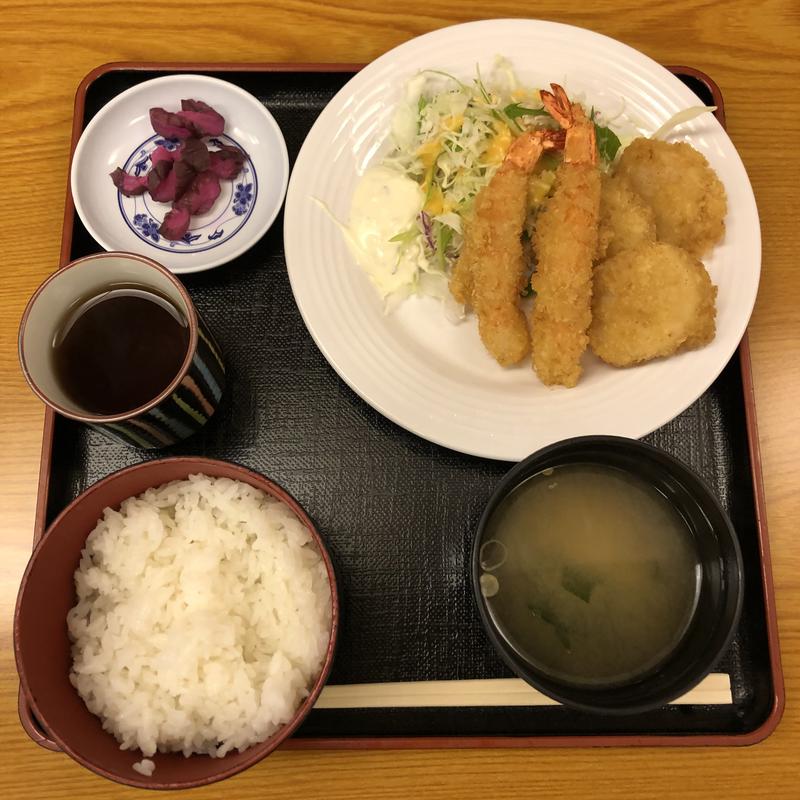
(608, 142)
(450, 137)
(517, 110)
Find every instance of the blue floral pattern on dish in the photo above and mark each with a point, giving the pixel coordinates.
(147, 226)
(188, 238)
(141, 165)
(170, 144)
(242, 198)
(230, 213)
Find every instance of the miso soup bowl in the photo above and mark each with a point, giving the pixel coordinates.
(42, 646)
(719, 601)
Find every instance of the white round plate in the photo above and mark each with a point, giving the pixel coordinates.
(120, 135)
(435, 378)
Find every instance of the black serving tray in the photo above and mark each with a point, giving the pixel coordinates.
(398, 512)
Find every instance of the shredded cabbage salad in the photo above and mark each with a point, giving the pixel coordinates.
(450, 137)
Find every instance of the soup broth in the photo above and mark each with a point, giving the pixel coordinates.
(590, 573)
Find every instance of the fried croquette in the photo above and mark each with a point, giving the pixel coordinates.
(686, 195)
(626, 220)
(650, 302)
(565, 241)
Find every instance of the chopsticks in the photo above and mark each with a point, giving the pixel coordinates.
(715, 689)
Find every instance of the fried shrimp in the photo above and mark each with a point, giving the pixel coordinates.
(490, 272)
(650, 302)
(461, 275)
(565, 241)
(686, 195)
(626, 220)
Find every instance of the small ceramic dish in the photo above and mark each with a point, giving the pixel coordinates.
(120, 135)
(42, 644)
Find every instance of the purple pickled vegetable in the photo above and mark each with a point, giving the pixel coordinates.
(227, 162)
(188, 176)
(169, 125)
(162, 154)
(161, 182)
(184, 175)
(175, 223)
(202, 194)
(129, 185)
(202, 118)
(169, 180)
(194, 153)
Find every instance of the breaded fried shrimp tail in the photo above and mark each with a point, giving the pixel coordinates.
(565, 241)
(491, 270)
(461, 276)
(498, 275)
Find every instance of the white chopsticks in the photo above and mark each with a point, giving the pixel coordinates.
(715, 689)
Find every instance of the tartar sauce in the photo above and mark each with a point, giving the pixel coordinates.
(385, 204)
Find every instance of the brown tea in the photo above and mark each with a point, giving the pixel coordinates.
(119, 349)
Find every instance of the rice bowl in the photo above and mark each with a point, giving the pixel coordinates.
(202, 617)
(44, 646)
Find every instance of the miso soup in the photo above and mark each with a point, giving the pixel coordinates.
(589, 573)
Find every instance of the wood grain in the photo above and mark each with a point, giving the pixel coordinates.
(751, 49)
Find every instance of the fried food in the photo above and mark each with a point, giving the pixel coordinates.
(565, 241)
(626, 220)
(490, 272)
(646, 225)
(461, 275)
(651, 302)
(686, 195)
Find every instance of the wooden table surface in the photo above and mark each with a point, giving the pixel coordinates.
(751, 49)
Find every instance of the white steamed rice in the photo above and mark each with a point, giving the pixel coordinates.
(145, 767)
(203, 618)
